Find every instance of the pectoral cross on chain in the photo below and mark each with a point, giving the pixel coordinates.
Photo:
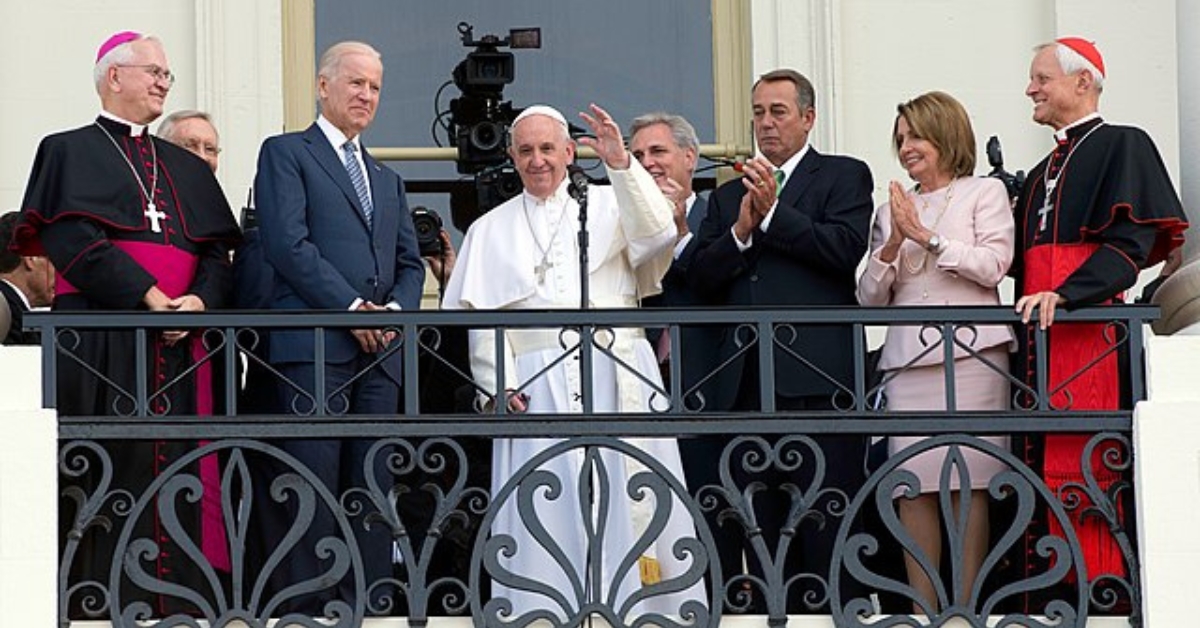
(154, 215)
(1044, 213)
(540, 270)
(1045, 210)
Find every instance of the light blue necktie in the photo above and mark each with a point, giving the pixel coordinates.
(359, 181)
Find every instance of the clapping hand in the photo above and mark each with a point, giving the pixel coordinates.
(906, 222)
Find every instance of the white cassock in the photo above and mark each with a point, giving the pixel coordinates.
(524, 255)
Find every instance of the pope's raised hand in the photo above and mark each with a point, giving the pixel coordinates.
(608, 143)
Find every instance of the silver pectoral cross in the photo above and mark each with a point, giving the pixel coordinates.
(1044, 212)
(154, 215)
(540, 270)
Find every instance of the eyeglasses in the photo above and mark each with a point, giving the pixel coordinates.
(159, 74)
(198, 147)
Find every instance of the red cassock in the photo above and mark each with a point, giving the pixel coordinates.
(1095, 212)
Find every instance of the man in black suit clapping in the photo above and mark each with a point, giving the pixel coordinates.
(790, 232)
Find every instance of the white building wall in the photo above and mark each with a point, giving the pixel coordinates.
(227, 56)
(866, 56)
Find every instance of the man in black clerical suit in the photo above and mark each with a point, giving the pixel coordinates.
(26, 281)
(134, 223)
(799, 242)
(1093, 214)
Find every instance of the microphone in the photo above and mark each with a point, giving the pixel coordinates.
(579, 183)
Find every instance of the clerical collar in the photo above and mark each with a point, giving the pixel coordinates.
(134, 130)
(1076, 127)
(560, 194)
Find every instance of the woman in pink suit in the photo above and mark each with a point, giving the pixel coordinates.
(948, 241)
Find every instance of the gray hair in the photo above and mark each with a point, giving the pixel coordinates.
(682, 131)
(332, 57)
(119, 55)
(166, 129)
(1072, 62)
(806, 96)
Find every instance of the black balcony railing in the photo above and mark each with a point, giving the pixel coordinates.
(427, 484)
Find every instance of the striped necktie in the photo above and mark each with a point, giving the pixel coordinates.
(359, 181)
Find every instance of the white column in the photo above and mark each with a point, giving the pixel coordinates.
(804, 36)
(28, 494)
(1167, 481)
(239, 81)
(1180, 295)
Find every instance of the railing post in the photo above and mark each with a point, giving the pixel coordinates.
(1137, 360)
(766, 366)
(49, 366)
(860, 368)
(231, 370)
(141, 404)
(1041, 345)
(319, 391)
(411, 354)
(948, 362)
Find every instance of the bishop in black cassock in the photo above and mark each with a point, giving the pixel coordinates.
(1092, 215)
(133, 223)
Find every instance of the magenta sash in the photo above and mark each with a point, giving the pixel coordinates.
(174, 269)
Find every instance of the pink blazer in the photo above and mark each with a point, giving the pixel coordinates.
(978, 229)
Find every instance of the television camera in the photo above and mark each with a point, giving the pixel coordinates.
(480, 119)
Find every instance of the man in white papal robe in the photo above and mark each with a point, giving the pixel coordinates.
(523, 255)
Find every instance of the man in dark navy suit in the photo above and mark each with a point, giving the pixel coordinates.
(337, 232)
(790, 232)
(667, 146)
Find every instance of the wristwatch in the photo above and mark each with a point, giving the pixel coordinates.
(936, 243)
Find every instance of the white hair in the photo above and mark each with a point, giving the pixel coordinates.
(332, 57)
(1072, 62)
(119, 55)
(167, 128)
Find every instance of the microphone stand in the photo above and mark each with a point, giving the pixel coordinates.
(578, 189)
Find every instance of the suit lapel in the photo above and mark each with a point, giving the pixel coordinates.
(331, 162)
(380, 201)
(802, 176)
(696, 214)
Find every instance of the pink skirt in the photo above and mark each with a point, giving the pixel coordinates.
(977, 387)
